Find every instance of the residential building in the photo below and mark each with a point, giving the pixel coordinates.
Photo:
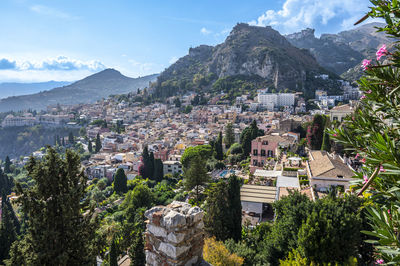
(172, 167)
(338, 113)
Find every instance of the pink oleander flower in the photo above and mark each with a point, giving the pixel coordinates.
(365, 64)
(365, 179)
(380, 261)
(368, 91)
(381, 52)
(335, 135)
(357, 155)
(363, 97)
(388, 211)
(381, 169)
(363, 160)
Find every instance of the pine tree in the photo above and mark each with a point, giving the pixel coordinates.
(120, 182)
(98, 143)
(90, 146)
(229, 135)
(58, 232)
(7, 165)
(196, 175)
(6, 183)
(219, 154)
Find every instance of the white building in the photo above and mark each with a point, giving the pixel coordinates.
(172, 167)
(271, 101)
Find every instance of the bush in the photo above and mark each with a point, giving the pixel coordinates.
(289, 169)
(217, 254)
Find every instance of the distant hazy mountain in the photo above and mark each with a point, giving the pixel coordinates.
(15, 89)
(250, 57)
(87, 90)
(343, 51)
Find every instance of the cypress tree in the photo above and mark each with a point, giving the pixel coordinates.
(120, 182)
(151, 166)
(90, 146)
(219, 154)
(234, 208)
(146, 159)
(158, 170)
(9, 228)
(229, 135)
(136, 254)
(7, 165)
(98, 143)
(71, 140)
(326, 143)
(113, 254)
(58, 232)
(63, 142)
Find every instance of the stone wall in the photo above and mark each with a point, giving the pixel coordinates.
(174, 235)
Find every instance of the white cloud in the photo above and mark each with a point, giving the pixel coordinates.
(52, 12)
(296, 15)
(205, 31)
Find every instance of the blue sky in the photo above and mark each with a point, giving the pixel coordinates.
(69, 39)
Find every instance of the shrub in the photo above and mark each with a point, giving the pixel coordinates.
(217, 254)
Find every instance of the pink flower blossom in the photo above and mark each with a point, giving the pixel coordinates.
(335, 135)
(368, 91)
(363, 160)
(365, 64)
(357, 155)
(381, 52)
(381, 169)
(388, 211)
(365, 179)
(380, 261)
(363, 97)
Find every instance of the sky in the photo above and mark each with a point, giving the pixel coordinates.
(67, 40)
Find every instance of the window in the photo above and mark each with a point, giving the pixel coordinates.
(270, 153)
(335, 118)
(262, 152)
(255, 152)
(265, 142)
(254, 162)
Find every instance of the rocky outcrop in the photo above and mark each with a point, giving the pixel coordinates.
(174, 235)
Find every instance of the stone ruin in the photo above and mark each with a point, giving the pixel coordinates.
(174, 235)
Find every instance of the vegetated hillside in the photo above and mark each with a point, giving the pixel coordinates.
(343, 51)
(249, 55)
(87, 90)
(22, 141)
(8, 89)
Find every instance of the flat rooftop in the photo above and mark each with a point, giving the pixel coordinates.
(258, 194)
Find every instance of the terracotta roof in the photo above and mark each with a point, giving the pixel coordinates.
(343, 108)
(323, 165)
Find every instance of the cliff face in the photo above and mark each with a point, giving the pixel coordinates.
(343, 51)
(248, 51)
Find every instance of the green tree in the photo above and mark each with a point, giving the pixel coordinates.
(71, 139)
(326, 143)
(150, 166)
(98, 143)
(82, 132)
(177, 102)
(248, 134)
(63, 142)
(315, 132)
(229, 138)
(136, 254)
(219, 154)
(90, 146)
(9, 228)
(203, 151)
(58, 233)
(196, 175)
(7, 165)
(224, 210)
(158, 170)
(120, 182)
(6, 183)
(113, 254)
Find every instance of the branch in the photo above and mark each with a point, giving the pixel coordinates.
(366, 185)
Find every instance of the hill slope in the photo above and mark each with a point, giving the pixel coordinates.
(249, 58)
(343, 51)
(87, 90)
(8, 89)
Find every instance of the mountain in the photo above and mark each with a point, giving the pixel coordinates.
(87, 90)
(14, 89)
(251, 57)
(343, 51)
